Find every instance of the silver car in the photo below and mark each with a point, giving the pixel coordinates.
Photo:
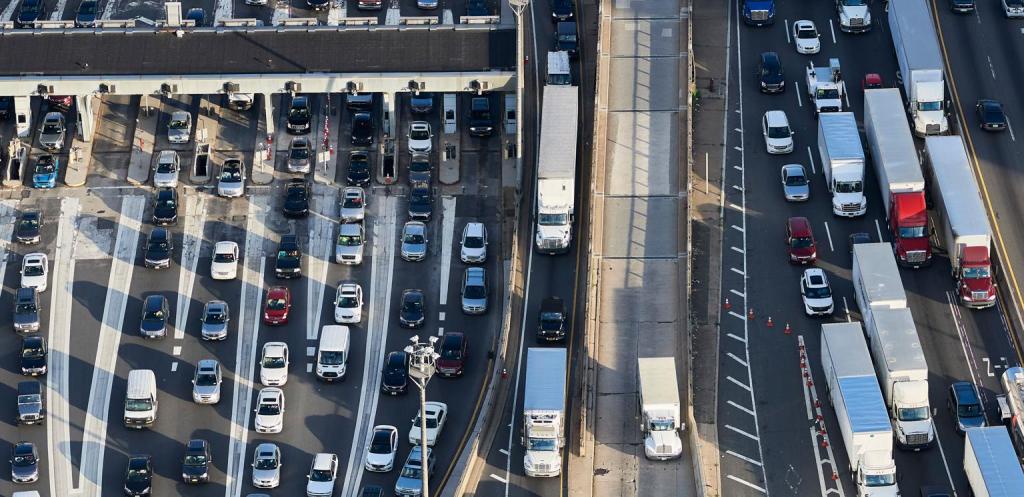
(349, 247)
(410, 481)
(216, 316)
(232, 179)
(474, 291)
(206, 383)
(300, 155)
(414, 241)
(52, 131)
(795, 185)
(266, 466)
(353, 204)
(179, 129)
(426, 4)
(167, 166)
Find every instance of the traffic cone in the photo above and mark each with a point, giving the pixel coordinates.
(770, 324)
(727, 305)
(750, 313)
(788, 330)
(835, 476)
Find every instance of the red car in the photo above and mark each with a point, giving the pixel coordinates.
(800, 243)
(277, 305)
(871, 81)
(60, 101)
(453, 354)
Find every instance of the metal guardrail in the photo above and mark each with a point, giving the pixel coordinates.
(142, 25)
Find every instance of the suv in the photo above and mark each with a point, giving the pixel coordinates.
(551, 321)
(296, 198)
(155, 315)
(165, 207)
(473, 248)
(179, 129)
(349, 247)
(159, 248)
(26, 310)
(420, 206)
(965, 407)
(30, 402)
(395, 375)
(566, 39)
(322, 474)
(410, 480)
(800, 243)
(474, 291)
(52, 130)
(195, 466)
(289, 258)
(453, 352)
(480, 121)
(299, 116)
(216, 316)
(816, 293)
(33, 356)
(770, 76)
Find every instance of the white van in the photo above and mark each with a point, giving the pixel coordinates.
(140, 402)
(448, 118)
(332, 354)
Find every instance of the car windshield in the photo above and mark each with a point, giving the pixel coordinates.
(419, 196)
(929, 106)
(353, 202)
(300, 152)
(348, 301)
(158, 244)
(138, 405)
(414, 238)
(216, 316)
(87, 8)
(166, 167)
(195, 460)
(806, 33)
(179, 123)
(270, 409)
(362, 125)
(320, 475)
(266, 462)
(419, 167)
(413, 472)
(561, 219)
(34, 270)
(913, 232)
(822, 292)
(779, 132)
(569, 37)
(297, 193)
(331, 358)
(29, 399)
(152, 315)
(287, 254)
(474, 292)
(231, 174)
(166, 203)
(206, 380)
(45, 166)
(224, 257)
(137, 474)
(52, 127)
(412, 304)
(28, 223)
(431, 421)
(25, 308)
(796, 180)
(276, 304)
(977, 272)
(849, 187)
(273, 362)
(551, 316)
(969, 410)
(381, 443)
(473, 242)
(453, 352)
(32, 352)
(419, 134)
(827, 94)
(298, 112)
(853, 3)
(884, 480)
(801, 242)
(912, 413)
(24, 460)
(350, 240)
(542, 444)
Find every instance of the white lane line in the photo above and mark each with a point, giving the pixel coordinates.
(788, 41)
(812, 395)
(810, 157)
(738, 168)
(440, 316)
(942, 452)
(1009, 127)
(743, 457)
(737, 271)
(94, 437)
(744, 433)
(224, 11)
(737, 188)
(737, 406)
(737, 359)
(799, 99)
(58, 427)
(310, 351)
(174, 366)
(191, 245)
(736, 337)
(9, 11)
(737, 316)
(309, 367)
(846, 306)
(738, 130)
(965, 346)
(321, 229)
(737, 228)
(108, 9)
(176, 350)
(737, 249)
(447, 235)
(846, 96)
(747, 483)
(738, 149)
(735, 207)
(991, 68)
(817, 457)
(832, 28)
(738, 383)
(58, 10)
(878, 228)
(440, 330)
(829, 233)
(737, 293)
(503, 451)
(496, 477)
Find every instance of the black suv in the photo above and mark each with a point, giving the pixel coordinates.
(420, 206)
(138, 475)
(30, 403)
(362, 129)
(965, 407)
(299, 116)
(165, 207)
(155, 315)
(296, 198)
(562, 10)
(33, 356)
(289, 258)
(551, 325)
(158, 249)
(566, 39)
(29, 12)
(358, 168)
(195, 466)
(395, 375)
(26, 310)
(29, 225)
(770, 75)
(413, 309)
(480, 121)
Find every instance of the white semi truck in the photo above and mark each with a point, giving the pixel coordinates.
(921, 67)
(659, 408)
(556, 169)
(991, 463)
(842, 159)
(854, 16)
(543, 431)
(853, 392)
(876, 279)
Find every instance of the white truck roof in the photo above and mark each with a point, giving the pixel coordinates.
(955, 184)
(658, 383)
(892, 145)
(839, 130)
(559, 122)
(545, 380)
(877, 276)
(1013, 384)
(911, 21)
(990, 461)
(844, 347)
(897, 335)
(141, 384)
(334, 338)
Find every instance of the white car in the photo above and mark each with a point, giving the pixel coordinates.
(270, 410)
(225, 261)
(380, 453)
(816, 293)
(353, 204)
(179, 129)
(322, 474)
(349, 247)
(1013, 8)
(437, 414)
(778, 137)
(420, 137)
(806, 37)
(348, 304)
(165, 174)
(274, 364)
(266, 466)
(473, 248)
(35, 269)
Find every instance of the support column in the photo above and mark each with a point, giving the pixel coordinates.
(268, 113)
(86, 119)
(390, 116)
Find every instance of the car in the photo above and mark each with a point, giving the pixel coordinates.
(562, 10)
(300, 155)
(165, 207)
(60, 102)
(420, 170)
(24, 463)
(322, 474)
(197, 15)
(770, 74)
(277, 305)
(299, 116)
(240, 101)
(348, 304)
(414, 241)
(296, 198)
(474, 291)
(52, 130)
(453, 354)
(420, 202)
(6, 104)
(816, 293)
(358, 168)
(412, 312)
(370, 4)
(353, 204)
(567, 39)
(427, 4)
(477, 8)
(1013, 8)
(231, 182)
(481, 124)
(961, 6)
(990, 115)
(224, 265)
(420, 137)
(796, 186)
(359, 101)
(206, 383)
(30, 403)
(362, 129)
(871, 81)
(395, 374)
(965, 407)
(35, 269)
(935, 491)
(436, 416)
(216, 316)
(168, 164)
(421, 102)
(269, 410)
(138, 475)
(410, 480)
(158, 249)
(551, 322)
(266, 466)
(26, 310)
(800, 244)
(806, 37)
(317, 5)
(349, 247)
(473, 247)
(778, 137)
(155, 315)
(860, 237)
(381, 451)
(29, 12)
(274, 364)
(288, 263)
(33, 356)
(44, 174)
(179, 128)
(28, 227)
(195, 465)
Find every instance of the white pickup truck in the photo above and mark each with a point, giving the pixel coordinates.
(825, 87)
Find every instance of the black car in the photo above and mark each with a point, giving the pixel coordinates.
(419, 202)
(480, 121)
(28, 227)
(30, 402)
(33, 356)
(566, 39)
(562, 10)
(856, 238)
(296, 198)
(26, 310)
(318, 4)
(197, 15)
(990, 115)
(372, 491)
(155, 315)
(770, 76)
(362, 128)
(138, 475)
(395, 375)
(477, 8)
(413, 308)
(358, 169)
(420, 170)
(6, 104)
(299, 116)
(86, 16)
(159, 248)
(288, 263)
(962, 6)
(421, 103)
(165, 207)
(965, 407)
(551, 325)
(29, 12)
(24, 463)
(935, 491)
(195, 466)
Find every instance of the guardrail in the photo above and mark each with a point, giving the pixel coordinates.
(300, 21)
(418, 21)
(143, 25)
(358, 21)
(479, 19)
(240, 23)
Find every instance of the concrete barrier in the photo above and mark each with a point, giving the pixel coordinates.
(358, 21)
(300, 22)
(240, 23)
(418, 21)
(114, 24)
(479, 19)
(55, 25)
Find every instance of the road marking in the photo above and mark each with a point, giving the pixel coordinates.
(745, 458)
(741, 432)
(810, 157)
(829, 233)
(440, 330)
(799, 99)
(496, 477)
(282, 11)
(991, 68)
(811, 397)
(737, 359)
(738, 130)
(440, 316)
(191, 244)
(58, 10)
(1009, 127)
(737, 249)
(847, 307)
(737, 271)
(737, 316)
(747, 483)
(942, 452)
(736, 337)
(737, 293)
(108, 9)
(58, 428)
(832, 29)
(737, 188)
(965, 346)
(176, 351)
(738, 383)
(392, 17)
(738, 168)
(737, 406)
(736, 207)
(224, 11)
(8, 12)
(738, 149)
(447, 235)
(310, 351)
(309, 367)
(788, 41)
(503, 451)
(321, 229)
(737, 228)
(174, 366)
(878, 228)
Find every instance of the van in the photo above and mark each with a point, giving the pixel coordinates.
(332, 354)
(449, 120)
(140, 402)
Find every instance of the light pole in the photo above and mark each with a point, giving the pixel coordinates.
(518, 8)
(421, 368)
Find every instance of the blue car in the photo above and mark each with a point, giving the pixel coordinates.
(45, 173)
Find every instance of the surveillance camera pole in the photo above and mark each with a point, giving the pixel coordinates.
(518, 8)
(421, 369)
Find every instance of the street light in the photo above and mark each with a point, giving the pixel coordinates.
(421, 368)
(518, 8)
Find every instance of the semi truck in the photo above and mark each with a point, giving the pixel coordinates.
(556, 169)
(759, 12)
(842, 159)
(825, 87)
(920, 65)
(899, 175)
(559, 71)
(659, 408)
(853, 392)
(991, 464)
(543, 430)
(876, 279)
(903, 374)
(961, 219)
(1011, 405)
(854, 16)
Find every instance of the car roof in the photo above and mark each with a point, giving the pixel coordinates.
(207, 364)
(274, 348)
(769, 57)
(791, 168)
(196, 444)
(278, 291)
(799, 226)
(265, 447)
(473, 273)
(35, 257)
(154, 300)
(322, 460)
(351, 229)
(158, 232)
(473, 229)
(349, 287)
(396, 356)
(53, 116)
(776, 117)
(965, 391)
(353, 190)
(415, 226)
(289, 240)
(224, 246)
(164, 193)
(452, 339)
(270, 393)
(25, 293)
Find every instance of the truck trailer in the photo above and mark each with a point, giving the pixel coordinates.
(659, 408)
(991, 464)
(876, 279)
(921, 68)
(556, 169)
(842, 159)
(1011, 405)
(543, 431)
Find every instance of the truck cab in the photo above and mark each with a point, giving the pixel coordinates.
(559, 72)
(854, 16)
(974, 277)
(908, 224)
(825, 86)
(759, 12)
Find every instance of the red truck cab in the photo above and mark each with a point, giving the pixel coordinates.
(908, 223)
(800, 244)
(974, 279)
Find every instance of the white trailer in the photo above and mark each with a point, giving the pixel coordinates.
(876, 279)
(1011, 405)
(921, 65)
(556, 169)
(842, 159)
(543, 431)
(659, 408)
(991, 463)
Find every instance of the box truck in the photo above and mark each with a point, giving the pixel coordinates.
(876, 279)
(842, 159)
(921, 69)
(556, 169)
(991, 464)
(660, 417)
(543, 430)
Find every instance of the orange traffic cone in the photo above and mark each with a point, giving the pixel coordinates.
(727, 305)
(750, 313)
(770, 324)
(788, 330)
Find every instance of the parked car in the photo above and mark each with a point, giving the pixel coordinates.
(349, 247)
(353, 204)
(206, 382)
(412, 311)
(414, 241)
(138, 476)
(24, 463)
(165, 207)
(277, 305)
(299, 116)
(395, 375)
(288, 263)
(358, 168)
(28, 227)
(29, 12)
(322, 474)
(168, 164)
(215, 320)
(770, 75)
(45, 172)
(35, 270)
(420, 137)
(420, 202)
(224, 265)
(437, 415)
(778, 137)
(816, 293)
(300, 155)
(965, 407)
(158, 249)
(420, 170)
(155, 315)
(179, 128)
(26, 310)
(381, 451)
(269, 411)
(195, 465)
(453, 354)
(231, 183)
(800, 244)
(33, 355)
(362, 129)
(296, 198)
(274, 363)
(348, 304)
(266, 466)
(473, 247)
(796, 186)
(474, 291)
(410, 480)
(806, 37)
